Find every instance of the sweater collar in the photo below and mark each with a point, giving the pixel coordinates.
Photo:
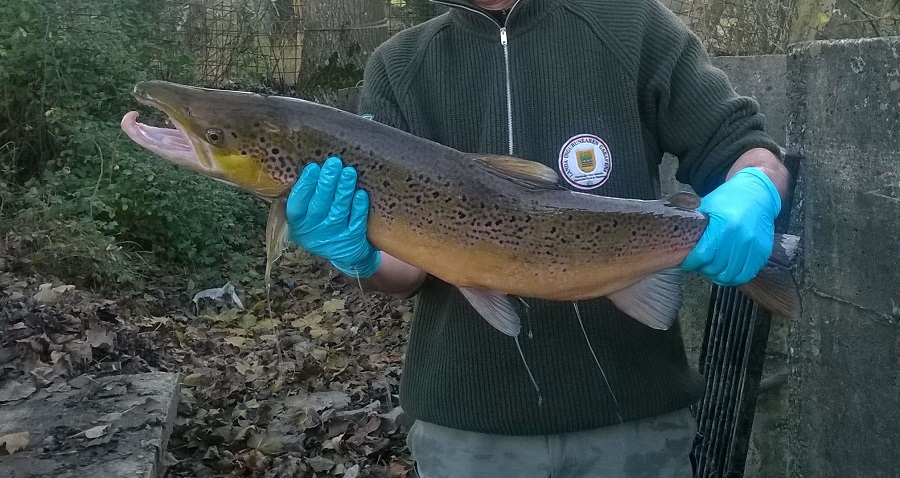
(522, 14)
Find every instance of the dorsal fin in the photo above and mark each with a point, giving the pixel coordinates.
(530, 174)
(684, 200)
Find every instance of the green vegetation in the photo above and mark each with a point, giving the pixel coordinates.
(77, 199)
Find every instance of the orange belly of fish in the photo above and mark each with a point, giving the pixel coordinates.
(490, 266)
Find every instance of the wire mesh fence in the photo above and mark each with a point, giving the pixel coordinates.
(304, 46)
(286, 45)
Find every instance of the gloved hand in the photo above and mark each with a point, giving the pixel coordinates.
(739, 238)
(326, 215)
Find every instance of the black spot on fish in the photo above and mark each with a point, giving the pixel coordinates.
(318, 152)
(275, 151)
(599, 228)
(244, 152)
(234, 135)
(262, 139)
(552, 230)
(461, 214)
(435, 195)
(615, 223)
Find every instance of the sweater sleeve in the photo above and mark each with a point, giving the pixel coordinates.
(378, 97)
(691, 105)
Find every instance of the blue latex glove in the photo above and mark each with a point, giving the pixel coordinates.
(739, 238)
(326, 215)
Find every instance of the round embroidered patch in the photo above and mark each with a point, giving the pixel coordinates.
(585, 161)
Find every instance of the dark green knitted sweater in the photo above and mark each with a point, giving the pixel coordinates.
(626, 72)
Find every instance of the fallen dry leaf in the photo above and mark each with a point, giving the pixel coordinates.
(14, 442)
(47, 294)
(12, 391)
(95, 432)
(334, 305)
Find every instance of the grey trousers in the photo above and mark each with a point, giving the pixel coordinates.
(656, 447)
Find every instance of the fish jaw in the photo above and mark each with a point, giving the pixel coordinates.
(178, 147)
(169, 143)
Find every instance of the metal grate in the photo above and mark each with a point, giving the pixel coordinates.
(731, 360)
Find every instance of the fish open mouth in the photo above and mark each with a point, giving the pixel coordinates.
(170, 143)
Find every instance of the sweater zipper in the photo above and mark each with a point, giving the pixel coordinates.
(509, 125)
(504, 41)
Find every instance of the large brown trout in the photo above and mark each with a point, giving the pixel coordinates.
(494, 226)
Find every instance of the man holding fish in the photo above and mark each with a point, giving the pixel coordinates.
(597, 90)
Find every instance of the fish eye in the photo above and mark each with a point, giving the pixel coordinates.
(215, 136)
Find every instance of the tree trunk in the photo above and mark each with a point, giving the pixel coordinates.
(339, 36)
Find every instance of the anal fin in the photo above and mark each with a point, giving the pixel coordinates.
(496, 308)
(275, 229)
(654, 301)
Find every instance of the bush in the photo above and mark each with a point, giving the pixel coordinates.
(75, 193)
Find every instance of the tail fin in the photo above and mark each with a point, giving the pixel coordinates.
(774, 288)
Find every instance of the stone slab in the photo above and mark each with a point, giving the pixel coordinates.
(845, 351)
(109, 427)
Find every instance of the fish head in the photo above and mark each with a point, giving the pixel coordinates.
(227, 135)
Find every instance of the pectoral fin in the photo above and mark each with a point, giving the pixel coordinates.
(275, 228)
(530, 174)
(654, 301)
(496, 308)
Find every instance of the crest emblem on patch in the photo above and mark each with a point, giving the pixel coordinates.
(585, 161)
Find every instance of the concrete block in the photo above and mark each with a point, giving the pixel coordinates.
(845, 352)
(107, 427)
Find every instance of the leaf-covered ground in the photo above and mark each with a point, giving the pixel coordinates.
(306, 389)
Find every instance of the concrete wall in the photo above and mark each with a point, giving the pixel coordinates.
(845, 352)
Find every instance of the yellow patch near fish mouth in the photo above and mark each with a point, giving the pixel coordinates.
(248, 174)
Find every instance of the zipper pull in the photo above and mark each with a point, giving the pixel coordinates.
(503, 36)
